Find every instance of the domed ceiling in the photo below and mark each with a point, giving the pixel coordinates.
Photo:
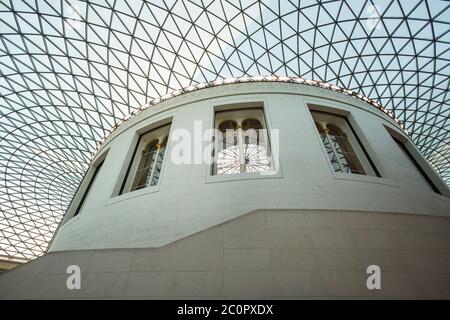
(70, 71)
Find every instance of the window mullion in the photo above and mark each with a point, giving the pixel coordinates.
(154, 164)
(334, 149)
(240, 142)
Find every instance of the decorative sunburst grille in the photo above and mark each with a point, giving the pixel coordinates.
(254, 159)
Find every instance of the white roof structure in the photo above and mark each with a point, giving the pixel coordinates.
(71, 71)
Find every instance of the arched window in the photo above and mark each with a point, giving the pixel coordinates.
(228, 158)
(346, 156)
(241, 143)
(146, 166)
(327, 144)
(255, 153)
(159, 160)
(228, 129)
(342, 147)
(408, 152)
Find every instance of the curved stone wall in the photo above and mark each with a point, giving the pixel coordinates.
(187, 199)
(264, 254)
(305, 231)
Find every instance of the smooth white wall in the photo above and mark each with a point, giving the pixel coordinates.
(187, 201)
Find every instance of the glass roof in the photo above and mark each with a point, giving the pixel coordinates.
(70, 71)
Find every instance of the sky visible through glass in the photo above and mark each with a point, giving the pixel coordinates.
(70, 71)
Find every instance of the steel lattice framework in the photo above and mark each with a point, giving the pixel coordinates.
(70, 71)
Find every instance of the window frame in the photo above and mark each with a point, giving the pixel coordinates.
(240, 137)
(244, 102)
(365, 153)
(88, 188)
(350, 110)
(423, 168)
(131, 162)
(78, 201)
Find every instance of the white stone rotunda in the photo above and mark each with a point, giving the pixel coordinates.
(251, 189)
